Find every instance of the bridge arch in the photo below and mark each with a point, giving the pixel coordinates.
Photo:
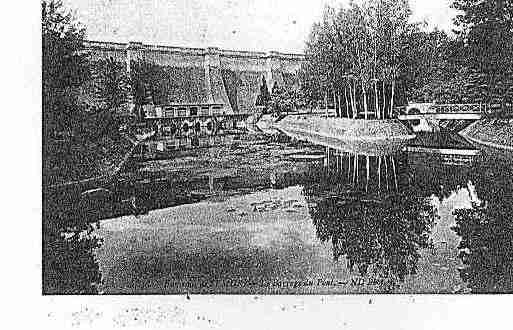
(413, 111)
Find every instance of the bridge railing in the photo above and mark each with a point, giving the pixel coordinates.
(488, 109)
(459, 108)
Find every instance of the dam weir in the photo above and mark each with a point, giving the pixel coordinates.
(207, 77)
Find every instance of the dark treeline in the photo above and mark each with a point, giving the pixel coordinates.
(86, 99)
(78, 137)
(366, 58)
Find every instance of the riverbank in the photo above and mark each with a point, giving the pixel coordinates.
(346, 129)
(496, 133)
(75, 161)
(265, 123)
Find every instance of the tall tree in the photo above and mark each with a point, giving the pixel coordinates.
(111, 84)
(353, 49)
(485, 31)
(264, 96)
(64, 67)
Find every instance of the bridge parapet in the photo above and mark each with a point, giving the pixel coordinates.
(434, 108)
(459, 108)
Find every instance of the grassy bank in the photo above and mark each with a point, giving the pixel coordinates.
(494, 132)
(346, 129)
(81, 159)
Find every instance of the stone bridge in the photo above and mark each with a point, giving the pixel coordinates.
(432, 117)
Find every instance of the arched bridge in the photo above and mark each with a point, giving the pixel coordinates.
(432, 117)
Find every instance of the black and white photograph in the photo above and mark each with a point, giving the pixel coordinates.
(270, 148)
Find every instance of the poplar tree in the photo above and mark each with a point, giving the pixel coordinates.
(352, 51)
(264, 96)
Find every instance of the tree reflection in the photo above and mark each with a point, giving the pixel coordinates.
(486, 248)
(381, 232)
(486, 230)
(69, 265)
(434, 176)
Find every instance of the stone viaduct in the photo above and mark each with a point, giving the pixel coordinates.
(206, 76)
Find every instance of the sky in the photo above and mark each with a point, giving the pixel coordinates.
(261, 25)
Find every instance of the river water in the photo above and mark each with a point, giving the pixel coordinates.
(274, 213)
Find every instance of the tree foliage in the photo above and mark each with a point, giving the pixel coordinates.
(264, 95)
(486, 248)
(64, 67)
(356, 56)
(283, 100)
(485, 36)
(486, 229)
(372, 43)
(485, 29)
(474, 66)
(111, 85)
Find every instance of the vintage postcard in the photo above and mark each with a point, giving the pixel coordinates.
(277, 147)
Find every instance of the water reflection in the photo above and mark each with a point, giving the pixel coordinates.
(363, 205)
(371, 204)
(161, 148)
(486, 248)
(440, 163)
(486, 229)
(70, 266)
(69, 263)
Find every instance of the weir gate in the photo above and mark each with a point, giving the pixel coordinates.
(184, 119)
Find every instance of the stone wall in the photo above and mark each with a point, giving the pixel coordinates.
(211, 75)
